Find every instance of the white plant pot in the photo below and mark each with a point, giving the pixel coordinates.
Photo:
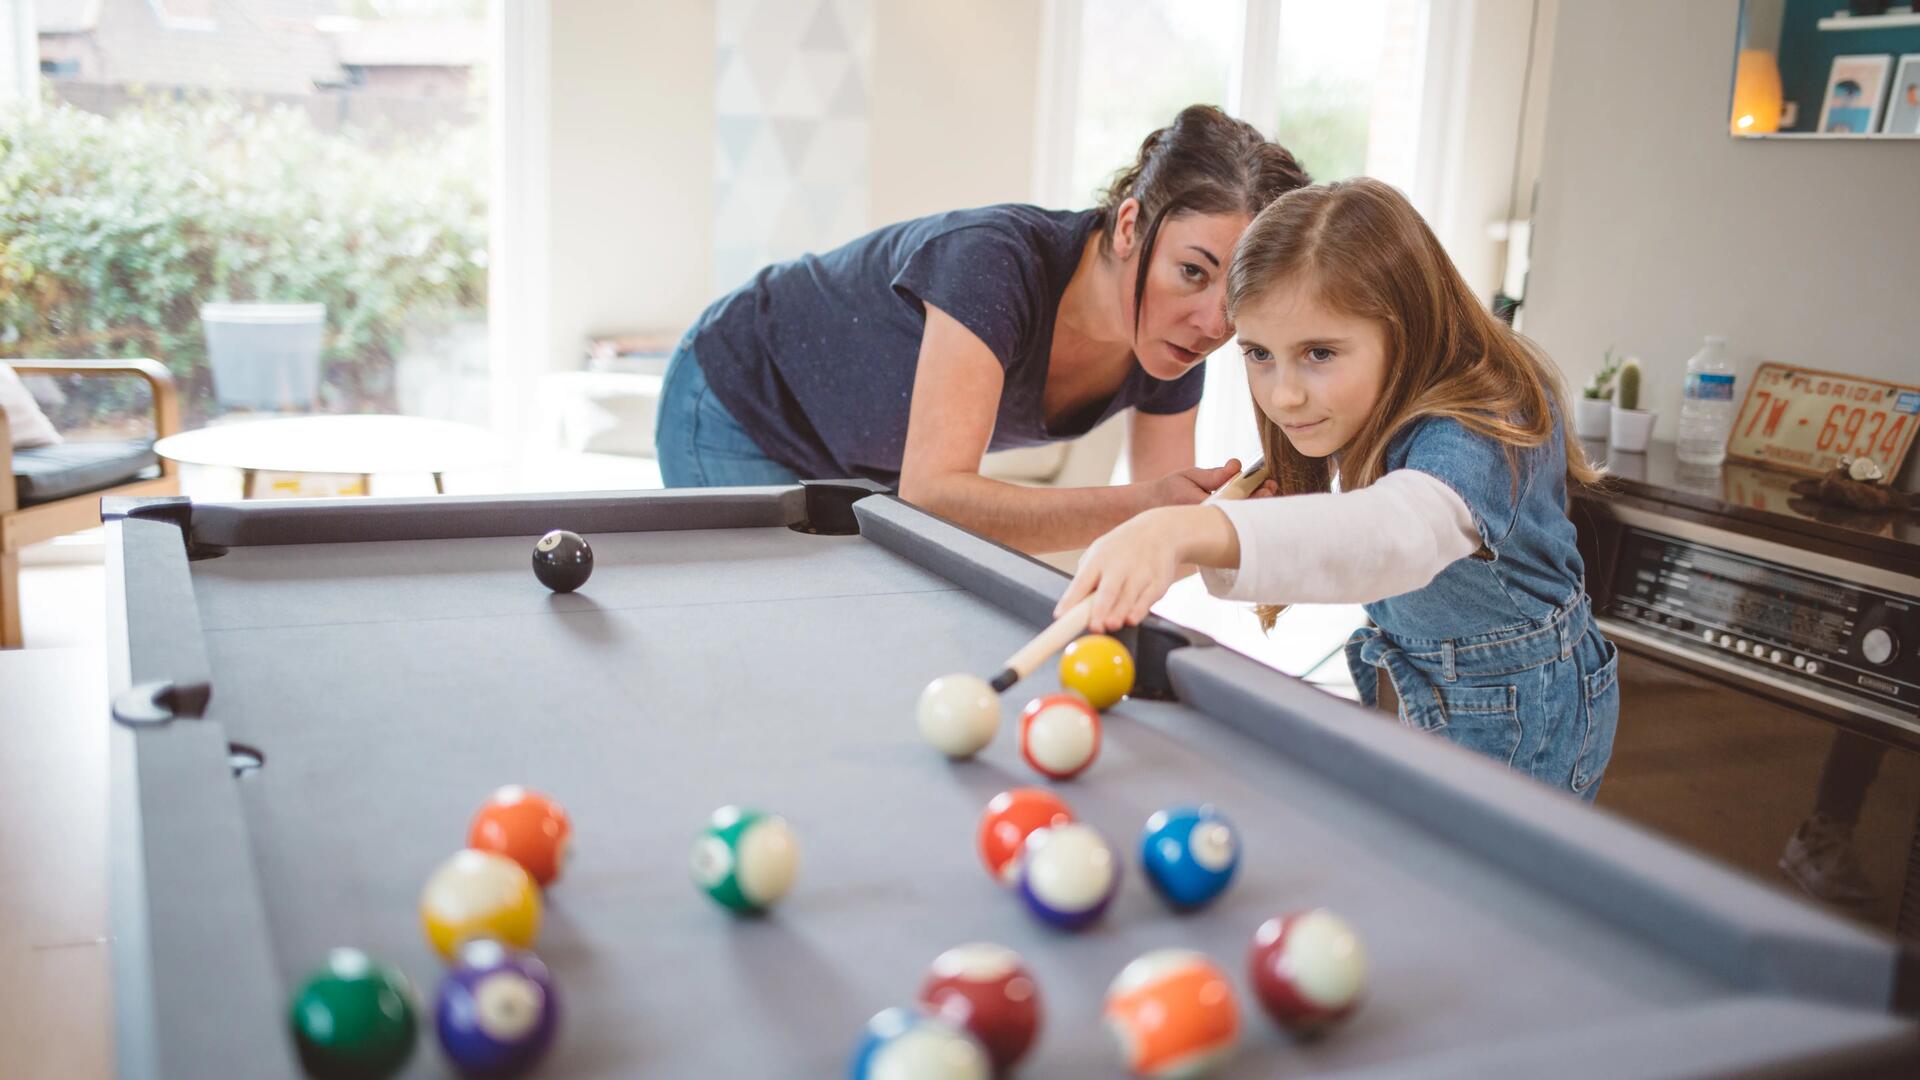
(1632, 428)
(265, 356)
(1592, 417)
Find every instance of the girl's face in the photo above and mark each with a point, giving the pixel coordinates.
(1315, 372)
(1186, 296)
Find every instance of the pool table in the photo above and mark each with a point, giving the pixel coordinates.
(310, 699)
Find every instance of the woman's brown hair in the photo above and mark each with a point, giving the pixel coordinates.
(1365, 251)
(1205, 162)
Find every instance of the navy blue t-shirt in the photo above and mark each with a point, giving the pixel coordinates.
(816, 357)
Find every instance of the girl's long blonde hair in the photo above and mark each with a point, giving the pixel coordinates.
(1365, 251)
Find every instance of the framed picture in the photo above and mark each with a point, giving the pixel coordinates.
(1903, 105)
(1855, 88)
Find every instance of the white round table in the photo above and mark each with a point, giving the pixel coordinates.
(352, 444)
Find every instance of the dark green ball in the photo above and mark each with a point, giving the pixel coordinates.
(354, 1018)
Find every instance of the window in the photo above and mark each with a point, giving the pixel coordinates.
(1337, 81)
(1141, 62)
(230, 202)
(1347, 78)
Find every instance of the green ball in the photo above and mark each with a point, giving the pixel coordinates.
(746, 860)
(354, 1018)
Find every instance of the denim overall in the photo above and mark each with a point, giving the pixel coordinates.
(1499, 653)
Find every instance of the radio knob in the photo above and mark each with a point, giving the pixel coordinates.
(1878, 645)
(1706, 636)
(1725, 640)
(1740, 646)
(1774, 656)
(1799, 661)
(1813, 667)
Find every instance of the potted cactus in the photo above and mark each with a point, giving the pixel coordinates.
(1632, 426)
(1593, 412)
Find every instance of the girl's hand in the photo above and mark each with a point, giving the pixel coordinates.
(1128, 570)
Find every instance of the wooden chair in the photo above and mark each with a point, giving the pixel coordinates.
(55, 490)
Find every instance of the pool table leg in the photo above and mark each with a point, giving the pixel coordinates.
(246, 482)
(366, 484)
(439, 484)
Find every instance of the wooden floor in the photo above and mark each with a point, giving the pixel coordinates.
(54, 983)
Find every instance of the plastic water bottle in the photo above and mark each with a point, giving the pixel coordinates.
(1706, 408)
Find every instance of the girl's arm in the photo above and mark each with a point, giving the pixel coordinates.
(956, 397)
(1352, 547)
(1355, 547)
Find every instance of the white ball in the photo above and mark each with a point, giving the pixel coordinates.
(959, 714)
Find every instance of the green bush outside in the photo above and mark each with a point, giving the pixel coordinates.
(114, 230)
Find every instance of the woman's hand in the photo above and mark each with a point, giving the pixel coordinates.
(1128, 570)
(1189, 487)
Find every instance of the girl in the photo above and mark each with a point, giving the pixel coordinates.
(1372, 364)
(905, 355)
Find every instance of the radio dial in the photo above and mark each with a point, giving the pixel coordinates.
(1878, 645)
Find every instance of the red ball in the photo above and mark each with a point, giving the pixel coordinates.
(1308, 968)
(1059, 735)
(1009, 819)
(525, 826)
(987, 990)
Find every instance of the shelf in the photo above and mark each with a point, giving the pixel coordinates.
(1892, 20)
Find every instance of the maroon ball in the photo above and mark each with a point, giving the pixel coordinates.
(987, 990)
(1308, 968)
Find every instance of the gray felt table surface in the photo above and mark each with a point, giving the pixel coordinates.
(391, 686)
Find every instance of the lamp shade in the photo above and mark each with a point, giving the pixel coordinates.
(1756, 93)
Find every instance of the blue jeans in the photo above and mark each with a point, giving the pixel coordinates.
(698, 442)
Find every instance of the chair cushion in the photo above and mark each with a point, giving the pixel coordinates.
(45, 473)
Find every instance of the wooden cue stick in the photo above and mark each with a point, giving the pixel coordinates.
(1074, 623)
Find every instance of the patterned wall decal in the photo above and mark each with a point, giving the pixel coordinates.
(792, 129)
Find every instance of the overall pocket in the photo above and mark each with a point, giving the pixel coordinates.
(1484, 719)
(1601, 710)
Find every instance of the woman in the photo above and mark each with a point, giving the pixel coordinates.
(905, 355)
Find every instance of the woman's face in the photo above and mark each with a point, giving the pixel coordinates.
(1315, 372)
(1185, 315)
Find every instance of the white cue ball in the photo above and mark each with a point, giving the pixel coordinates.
(959, 714)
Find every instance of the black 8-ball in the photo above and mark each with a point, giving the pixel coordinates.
(562, 560)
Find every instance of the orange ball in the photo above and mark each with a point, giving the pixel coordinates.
(527, 827)
(1009, 819)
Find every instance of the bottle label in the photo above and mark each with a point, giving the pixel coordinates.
(1703, 387)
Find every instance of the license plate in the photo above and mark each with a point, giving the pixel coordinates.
(1806, 420)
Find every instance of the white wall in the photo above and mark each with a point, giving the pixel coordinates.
(1655, 228)
(631, 187)
(632, 144)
